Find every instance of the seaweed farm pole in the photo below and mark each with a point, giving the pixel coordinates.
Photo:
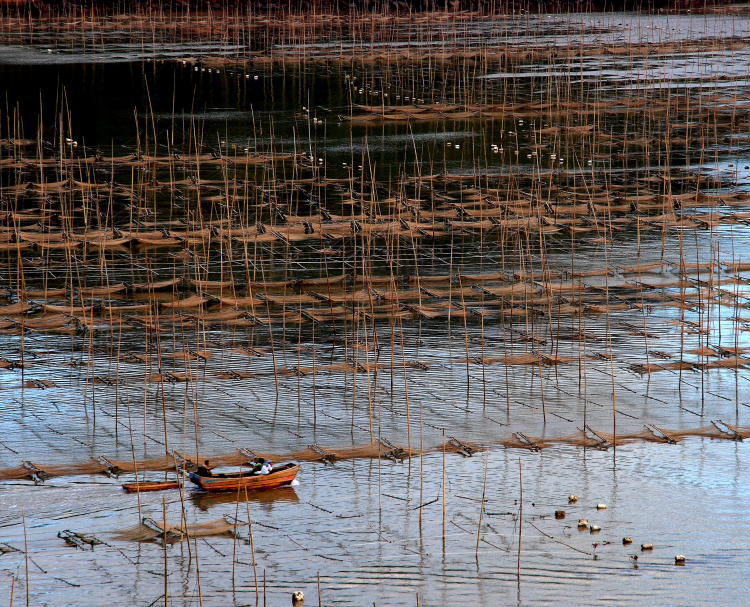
(611, 359)
(320, 596)
(234, 546)
(25, 561)
(252, 548)
(466, 343)
(164, 546)
(481, 509)
(314, 380)
(736, 317)
(445, 505)
(12, 589)
(683, 275)
(406, 391)
(520, 518)
(582, 376)
(197, 570)
(701, 318)
(421, 472)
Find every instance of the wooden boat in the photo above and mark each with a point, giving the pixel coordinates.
(150, 486)
(282, 474)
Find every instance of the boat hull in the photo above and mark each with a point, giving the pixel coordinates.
(142, 486)
(249, 483)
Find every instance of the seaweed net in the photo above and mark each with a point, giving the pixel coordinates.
(586, 437)
(149, 530)
(344, 299)
(416, 212)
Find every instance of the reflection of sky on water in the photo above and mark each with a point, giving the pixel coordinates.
(702, 66)
(558, 30)
(734, 172)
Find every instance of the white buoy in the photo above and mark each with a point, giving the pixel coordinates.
(583, 523)
(645, 547)
(601, 506)
(680, 559)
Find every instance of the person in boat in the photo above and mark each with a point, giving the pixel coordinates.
(205, 469)
(266, 467)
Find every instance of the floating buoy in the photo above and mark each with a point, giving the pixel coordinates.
(298, 599)
(559, 514)
(680, 559)
(626, 541)
(595, 529)
(572, 498)
(583, 523)
(601, 506)
(645, 547)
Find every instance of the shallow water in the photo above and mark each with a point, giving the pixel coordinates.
(356, 525)
(374, 531)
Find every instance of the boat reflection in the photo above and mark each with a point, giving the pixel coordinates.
(265, 498)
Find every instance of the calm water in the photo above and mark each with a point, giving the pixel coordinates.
(376, 531)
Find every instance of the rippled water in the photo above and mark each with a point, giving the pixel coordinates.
(357, 526)
(376, 531)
